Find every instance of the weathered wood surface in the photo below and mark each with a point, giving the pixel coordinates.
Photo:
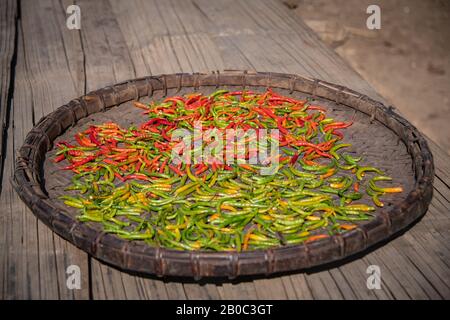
(8, 19)
(119, 40)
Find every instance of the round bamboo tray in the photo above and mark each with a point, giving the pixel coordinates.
(384, 138)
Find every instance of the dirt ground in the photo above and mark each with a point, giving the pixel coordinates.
(407, 61)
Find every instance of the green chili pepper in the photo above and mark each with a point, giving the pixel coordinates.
(125, 181)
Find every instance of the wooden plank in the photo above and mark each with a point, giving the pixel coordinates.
(442, 165)
(431, 273)
(8, 21)
(322, 286)
(348, 293)
(270, 289)
(289, 289)
(150, 37)
(201, 291)
(237, 290)
(301, 286)
(393, 263)
(34, 259)
(107, 58)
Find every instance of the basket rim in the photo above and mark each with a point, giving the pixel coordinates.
(161, 261)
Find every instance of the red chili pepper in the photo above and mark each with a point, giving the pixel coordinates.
(163, 166)
(83, 141)
(174, 99)
(324, 154)
(337, 125)
(118, 176)
(202, 168)
(64, 143)
(138, 166)
(147, 162)
(294, 158)
(316, 108)
(282, 99)
(306, 144)
(164, 134)
(320, 117)
(155, 159)
(313, 126)
(161, 146)
(327, 145)
(119, 157)
(93, 135)
(266, 111)
(176, 170)
(137, 176)
(299, 122)
(60, 158)
(79, 163)
(111, 162)
(156, 122)
(338, 133)
(153, 129)
(282, 129)
(75, 153)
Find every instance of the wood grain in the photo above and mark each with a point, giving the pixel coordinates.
(8, 37)
(34, 259)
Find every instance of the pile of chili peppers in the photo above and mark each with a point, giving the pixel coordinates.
(125, 180)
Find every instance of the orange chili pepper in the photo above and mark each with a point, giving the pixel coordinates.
(347, 226)
(329, 173)
(316, 237)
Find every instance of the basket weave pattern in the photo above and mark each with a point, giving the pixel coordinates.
(378, 133)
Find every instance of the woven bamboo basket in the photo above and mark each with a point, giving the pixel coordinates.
(386, 139)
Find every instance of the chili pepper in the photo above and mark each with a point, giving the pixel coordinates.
(383, 190)
(76, 164)
(83, 141)
(221, 206)
(337, 125)
(338, 134)
(64, 144)
(93, 136)
(59, 158)
(176, 170)
(337, 147)
(137, 104)
(329, 173)
(360, 172)
(316, 237)
(347, 226)
(137, 176)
